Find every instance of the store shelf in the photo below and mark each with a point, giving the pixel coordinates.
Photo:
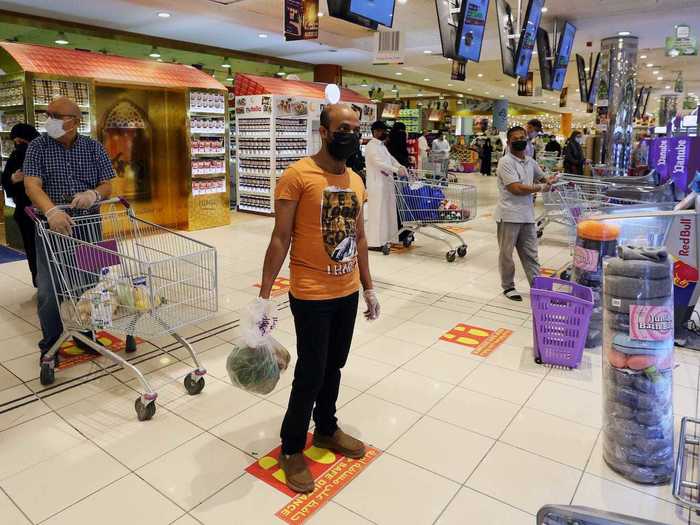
(207, 132)
(206, 112)
(291, 134)
(209, 153)
(255, 209)
(15, 107)
(209, 174)
(44, 105)
(253, 191)
(285, 154)
(263, 155)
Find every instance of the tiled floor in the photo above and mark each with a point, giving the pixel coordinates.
(465, 439)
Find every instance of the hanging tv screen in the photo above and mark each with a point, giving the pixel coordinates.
(582, 78)
(544, 51)
(528, 37)
(447, 24)
(379, 11)
(341, 9)
(595, 81)
(561, 59)
(470, 33)
(506, 30)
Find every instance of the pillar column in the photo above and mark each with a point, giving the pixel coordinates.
(328, 74)
(622, 74)
(500, 115)
(566, 125)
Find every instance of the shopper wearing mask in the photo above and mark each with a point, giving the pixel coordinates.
(553, 146)
(13, 184)
(398, 144)
(440, 155)
(318, 210)
(382, 222)
(63, 167)
(519, 178)
(574, 158)
(423, 150)
(535, 146)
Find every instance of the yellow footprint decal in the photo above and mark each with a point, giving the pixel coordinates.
(477, 332)
(468, 341)
(320, 455)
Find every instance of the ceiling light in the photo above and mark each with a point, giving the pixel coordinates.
(402, 1)
(656, 72)
(226, 65)
(262, 35)
(229, 78)
(61, 40)
(624, 33)
(668, 87)
(659, 78)
(419, 94)
(486, 93)
(364, 83)
(545, 9)
(650, 64)
(470, 89)
(512, 85)
(428, 52)
(281, 72)
(163, 14)
(426, 80)
(642, 57)
(320, 15)
(154, 52)
(503, 96)
(459, 102)
(460, 95)
(398, 73)
(480, 75)
(449, 85)
(691, 94)
(159, 60)
(394, 89)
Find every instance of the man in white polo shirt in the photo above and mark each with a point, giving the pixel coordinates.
(519, 178)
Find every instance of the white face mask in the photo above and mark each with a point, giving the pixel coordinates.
(579, 140)
(54, 128)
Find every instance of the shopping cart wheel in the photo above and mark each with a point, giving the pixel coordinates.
(130, 344)
(462, 250)
(540, 233)
(47, 375)
(408, 240)
(144, 412)
(193, 386)
(451, 256)
(538, 360)
(386, 249)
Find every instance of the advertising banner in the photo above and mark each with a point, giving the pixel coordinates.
(300, 19)
(459, 70)
(526, 85)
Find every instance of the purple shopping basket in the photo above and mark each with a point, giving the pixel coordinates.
(561, 311)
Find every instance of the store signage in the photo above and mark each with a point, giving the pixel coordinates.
(658, 157)
(563, 97)
(391, 111)
(683, 251)
(681, 43)
(300, 19)
(254, 105)
(389, 48)
(331, 473)
(526, 85)
(690, 103)
(459, 70)
(678, 155)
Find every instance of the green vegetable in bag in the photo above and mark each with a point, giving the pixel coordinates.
(257, 369)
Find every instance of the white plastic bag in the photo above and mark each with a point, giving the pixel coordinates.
(257, 362)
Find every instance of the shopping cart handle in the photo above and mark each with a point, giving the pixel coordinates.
(31, 211)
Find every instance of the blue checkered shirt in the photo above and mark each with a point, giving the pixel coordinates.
(67, 171)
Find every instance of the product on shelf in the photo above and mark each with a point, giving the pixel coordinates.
(253, 125)
(254, 146)
(284, 145)
(638, 364)
(208, 186)
(204, 125)
(595, 241)
(11, 93)
(290, 126)
(254, 203)
(255, 184)
(44, 91)
(207, 101)
(8, 120)
(412, 119)
(209, 145)
(208, 166)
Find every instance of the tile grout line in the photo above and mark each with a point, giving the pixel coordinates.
(2, 491)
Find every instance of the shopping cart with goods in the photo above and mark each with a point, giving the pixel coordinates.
(428, 202)
(560, 314)
(120, 273)
(551, 161)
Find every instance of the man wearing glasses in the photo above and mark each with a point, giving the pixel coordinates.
(63, 168)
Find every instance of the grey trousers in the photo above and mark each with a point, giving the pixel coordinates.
(523, 238)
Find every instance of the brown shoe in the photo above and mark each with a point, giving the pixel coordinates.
(341, 443)
(297, 473)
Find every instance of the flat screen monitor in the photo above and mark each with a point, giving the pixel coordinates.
(595, 81)
(582, 78)
(341, 9)
(506, 30)
(470, 33)
(528, 37)
(448, 28)
(379, 11)
(544, 51)
(561, 59)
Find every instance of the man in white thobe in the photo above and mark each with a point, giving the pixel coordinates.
(423, 150)
(382, 226)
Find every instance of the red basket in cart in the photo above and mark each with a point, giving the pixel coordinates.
(561, 311)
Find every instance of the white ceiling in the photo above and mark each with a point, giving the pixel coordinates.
(237, 26)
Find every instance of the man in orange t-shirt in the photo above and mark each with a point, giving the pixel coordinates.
(318, 210)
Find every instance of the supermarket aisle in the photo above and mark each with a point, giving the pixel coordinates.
(465, 439)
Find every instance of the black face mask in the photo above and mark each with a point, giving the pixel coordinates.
(21, 147)
(343, 145)
(519, 145)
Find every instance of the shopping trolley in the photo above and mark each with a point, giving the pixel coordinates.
(570, 515)
(121, 273)
(426, 201)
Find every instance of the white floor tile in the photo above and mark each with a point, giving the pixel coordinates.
(477, 412)
(195, 470)
(375, 421)
(685, 401)
(20, 345)
(588, 375)
(35, 441)
(483, 510)
(441, 318)
(410, 390)
(129, 500)
(442, 448)
(335, 514)
(524, 480)
(579, 406)
(516, 358)
(361, 372)
(418, 333)
(61, 480)
(109, 419)
(11, 515)
(14, 328)
(606, 495)
(217, 402)
(246, 501)
(19, 405)
(422, 497)
(345, 395)
(441, 366)
(389, 350)
(686, 374)
(502, 383)
(551, 437)
(186, 520)
(255, 431)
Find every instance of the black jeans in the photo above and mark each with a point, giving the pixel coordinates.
(324, 333)
(27, 228)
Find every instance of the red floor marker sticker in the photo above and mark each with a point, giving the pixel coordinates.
(331, 472)
(482, 341)
(280, 286)
(455, 229)
(71, 355)
(548, 272)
